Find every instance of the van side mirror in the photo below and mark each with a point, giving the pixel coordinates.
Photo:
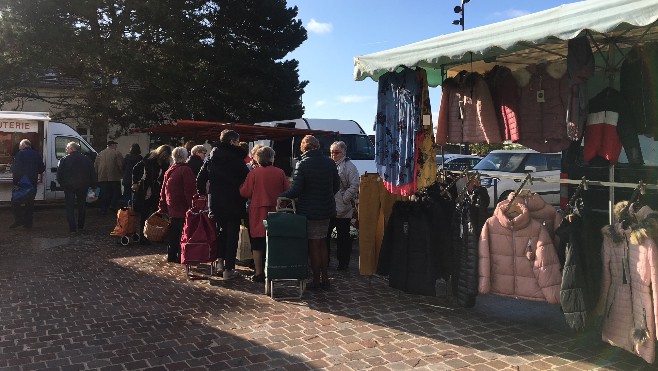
(530, 169)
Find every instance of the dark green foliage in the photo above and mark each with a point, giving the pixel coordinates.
(144, 62)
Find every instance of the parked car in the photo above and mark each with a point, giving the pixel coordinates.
(457, 162)
(520, 162)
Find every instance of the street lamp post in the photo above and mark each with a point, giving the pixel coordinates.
(460, 10)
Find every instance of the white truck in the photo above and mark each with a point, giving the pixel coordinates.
(359, 147)
(47, 137)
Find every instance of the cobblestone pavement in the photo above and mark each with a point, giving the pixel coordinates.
(82, 301)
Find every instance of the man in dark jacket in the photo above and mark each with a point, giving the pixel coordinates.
(27, 163)
(226, 171)
(129, 162)
(75, 173)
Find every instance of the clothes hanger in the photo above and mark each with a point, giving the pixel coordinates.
(512, 206)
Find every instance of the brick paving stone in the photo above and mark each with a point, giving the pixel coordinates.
(100, 310)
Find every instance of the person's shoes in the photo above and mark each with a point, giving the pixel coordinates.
(15, 225)
(325, 285)
(230, 274)
(258, 278)
(144, 241)
(173, 260)
(342, 267)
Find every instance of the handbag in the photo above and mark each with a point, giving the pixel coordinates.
(25, 187)
(244, 244)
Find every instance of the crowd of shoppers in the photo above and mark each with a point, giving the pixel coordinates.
(241, 185)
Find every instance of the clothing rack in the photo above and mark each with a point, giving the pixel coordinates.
(564, 181)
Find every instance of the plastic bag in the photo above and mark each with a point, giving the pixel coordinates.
(244, 244)
(92, 194)
(25, 187)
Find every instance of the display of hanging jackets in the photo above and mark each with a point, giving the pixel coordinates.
(416, 249)
(396, 126)
(467, 113)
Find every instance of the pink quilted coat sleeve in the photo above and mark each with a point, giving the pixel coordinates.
(547, 268)
(442, 121)
(484, 266)
(486, 114)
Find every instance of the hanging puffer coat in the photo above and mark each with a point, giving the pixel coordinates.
(467, 114)
(542, 119)
(517, 257)
(627, 300)
(540, 211)
(468, 219)
(505, 95)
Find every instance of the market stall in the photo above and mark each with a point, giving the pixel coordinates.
(579, 80)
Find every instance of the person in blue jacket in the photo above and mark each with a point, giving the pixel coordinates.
(27, 163)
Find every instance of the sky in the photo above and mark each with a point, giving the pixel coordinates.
(339, 30)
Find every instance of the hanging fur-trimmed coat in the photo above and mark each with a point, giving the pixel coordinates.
(630, 269)
(517, 257)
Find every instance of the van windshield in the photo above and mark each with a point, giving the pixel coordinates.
(359, 146)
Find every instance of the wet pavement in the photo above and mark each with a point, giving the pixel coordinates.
(83, 301)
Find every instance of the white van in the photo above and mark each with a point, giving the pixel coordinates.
(359, 147)
(48, 138)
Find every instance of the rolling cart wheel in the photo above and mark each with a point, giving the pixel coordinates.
(136, 237)
(125, 240)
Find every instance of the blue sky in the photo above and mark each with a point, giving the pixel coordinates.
(339, 30)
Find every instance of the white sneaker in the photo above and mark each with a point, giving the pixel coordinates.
(230, 274)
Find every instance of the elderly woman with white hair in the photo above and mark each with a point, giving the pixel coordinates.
(178, 188)
(262, 186)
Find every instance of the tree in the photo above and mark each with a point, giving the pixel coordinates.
(142, 62)
(250, 39)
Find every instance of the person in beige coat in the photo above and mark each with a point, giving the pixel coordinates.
(108, 167)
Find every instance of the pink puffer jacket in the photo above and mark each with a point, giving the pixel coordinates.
(542, 212)
(517, 258)
(467, 113)
(628, 299)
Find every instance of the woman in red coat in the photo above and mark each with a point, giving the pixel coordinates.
(178, 187)
(263, 186)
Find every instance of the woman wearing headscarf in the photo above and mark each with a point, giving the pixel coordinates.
(315, 182)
